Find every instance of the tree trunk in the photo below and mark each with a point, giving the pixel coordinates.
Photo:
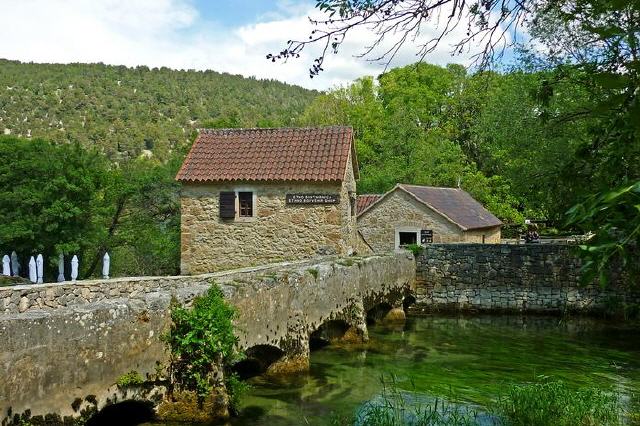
(112, 229)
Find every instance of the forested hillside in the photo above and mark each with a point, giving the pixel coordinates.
(125, 111)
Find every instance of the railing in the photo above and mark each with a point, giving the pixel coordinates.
(11, 267)
(569, 239)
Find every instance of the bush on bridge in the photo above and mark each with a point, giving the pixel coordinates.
(201, 344)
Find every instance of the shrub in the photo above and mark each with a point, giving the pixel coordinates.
(416, 249)
(132, 378)
(201, 341)
(553, 403)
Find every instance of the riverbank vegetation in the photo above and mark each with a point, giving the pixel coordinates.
(543, 403)
(553, 403)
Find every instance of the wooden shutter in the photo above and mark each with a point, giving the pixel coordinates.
(227, 205)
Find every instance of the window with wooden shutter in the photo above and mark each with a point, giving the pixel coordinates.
(227, 205)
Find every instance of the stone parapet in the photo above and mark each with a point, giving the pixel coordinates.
(50, 296)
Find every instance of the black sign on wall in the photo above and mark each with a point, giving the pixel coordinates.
(313, 198)
(426, 236)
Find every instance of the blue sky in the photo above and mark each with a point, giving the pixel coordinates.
(226, 36)
(239, 12)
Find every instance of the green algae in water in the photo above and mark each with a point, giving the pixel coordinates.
(466, 360)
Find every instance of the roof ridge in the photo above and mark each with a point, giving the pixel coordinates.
(209, 130)
(429, 186)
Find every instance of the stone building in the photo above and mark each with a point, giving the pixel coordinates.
(255, 196)
(410, 214)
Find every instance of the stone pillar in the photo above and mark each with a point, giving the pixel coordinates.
(356, 317)
(295, 359)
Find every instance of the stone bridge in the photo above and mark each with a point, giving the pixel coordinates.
(64, 346)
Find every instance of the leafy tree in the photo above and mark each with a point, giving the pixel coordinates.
(598, 51)
(144, 214)
(405, 132)
(512, 136)
(50, 198)
(616, 216)
(64, 199)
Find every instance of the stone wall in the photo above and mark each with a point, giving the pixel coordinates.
(277, 232)
(400, 210)
(532, 277)
(60, 343)
(52, 296)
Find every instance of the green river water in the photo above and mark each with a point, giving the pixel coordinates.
(467, 359)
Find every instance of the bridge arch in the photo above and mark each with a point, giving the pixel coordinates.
(129, 412)
(329, 331)
(257, 361)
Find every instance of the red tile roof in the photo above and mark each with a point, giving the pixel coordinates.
(365, 201)
(453, 204)
(284, 154)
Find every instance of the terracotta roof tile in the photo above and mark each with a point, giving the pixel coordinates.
(365, 201)
(284, 154)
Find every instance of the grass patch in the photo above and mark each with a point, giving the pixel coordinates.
(132, 378)
(553, 403)
(395, 407)
(10, 281)
(345, 262)
(547, 403)
(313, 272)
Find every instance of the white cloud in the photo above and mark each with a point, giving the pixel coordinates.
(171, 33)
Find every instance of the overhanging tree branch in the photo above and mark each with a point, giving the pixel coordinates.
(492, 24)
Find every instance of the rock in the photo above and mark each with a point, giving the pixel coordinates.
(353, 335)
(395, 315)
(24, 304)
(290, 364)
(183, 407)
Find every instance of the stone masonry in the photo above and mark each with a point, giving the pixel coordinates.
(532, 277)
(378, 224)
(277, 232)
(64, 342)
